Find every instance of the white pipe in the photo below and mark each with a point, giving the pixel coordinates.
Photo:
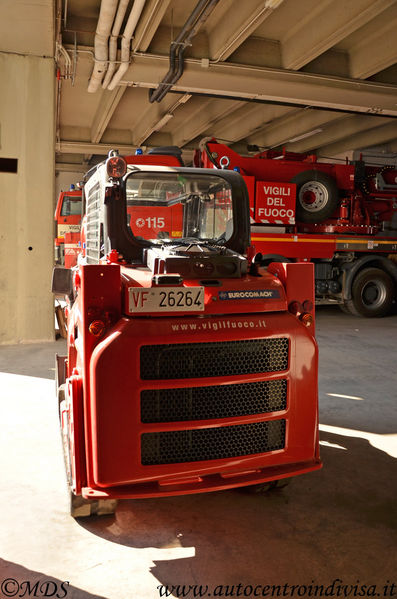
(105, 21)
(113, 42)
(133, 19)
(68, 63)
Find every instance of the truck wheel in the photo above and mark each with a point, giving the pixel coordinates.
(317, 196)
(372, 293)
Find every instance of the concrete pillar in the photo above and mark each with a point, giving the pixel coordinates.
(27, 198)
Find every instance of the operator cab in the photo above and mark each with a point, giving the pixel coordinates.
(170, 219)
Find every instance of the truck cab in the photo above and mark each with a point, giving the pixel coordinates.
(67, 217)
(190, 368)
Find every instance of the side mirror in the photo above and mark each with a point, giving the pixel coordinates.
(62, 281)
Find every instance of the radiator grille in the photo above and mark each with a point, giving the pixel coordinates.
(172, 447)
(191, 360)
(93, 227)
(219, 401)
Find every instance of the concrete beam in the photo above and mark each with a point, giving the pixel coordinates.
(257, 51)
(155, 117)
(325, 26)
(297, 123)
(81, 147)
(84, 147)
(248, 120)
(245, 82)
(365, 139)
(106, 109)
(338, 130)
(332, 62)
(235, 26)
(375, 52)
(70, 167)
(203, 116)
(151, 18)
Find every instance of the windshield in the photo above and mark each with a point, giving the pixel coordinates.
(71, 206)
(170, 206)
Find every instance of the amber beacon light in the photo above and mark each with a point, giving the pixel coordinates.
(116, 166)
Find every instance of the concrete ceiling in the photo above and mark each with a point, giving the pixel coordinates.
(312, 76)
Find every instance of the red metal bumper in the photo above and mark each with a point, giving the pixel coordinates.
(114, 426)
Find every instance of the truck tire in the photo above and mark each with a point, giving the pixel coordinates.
(317, 196)
(372, 293)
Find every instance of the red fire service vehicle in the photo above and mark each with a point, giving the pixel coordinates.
(341, 217)
(189, 367)
(68, 213)
(67, 223)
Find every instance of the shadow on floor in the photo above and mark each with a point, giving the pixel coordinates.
(337, 523)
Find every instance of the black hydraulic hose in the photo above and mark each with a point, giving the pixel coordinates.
(154, 93)
(177, 48)
(178, 72)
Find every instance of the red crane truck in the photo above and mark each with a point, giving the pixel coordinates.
(189, 367)
(341, 217)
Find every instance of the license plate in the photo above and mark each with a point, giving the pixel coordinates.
(166, 299)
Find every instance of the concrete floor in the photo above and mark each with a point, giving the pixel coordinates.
(337, 523)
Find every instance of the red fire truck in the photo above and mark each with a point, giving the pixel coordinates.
(185, 357)
(341, 217)
(68, 213)
(67, 223)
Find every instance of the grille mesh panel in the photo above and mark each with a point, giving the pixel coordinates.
(191, 360)
(219, 401)
(172, 447)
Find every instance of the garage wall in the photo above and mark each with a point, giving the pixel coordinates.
(26, 206)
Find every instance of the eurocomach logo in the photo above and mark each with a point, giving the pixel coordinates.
(249, 294)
